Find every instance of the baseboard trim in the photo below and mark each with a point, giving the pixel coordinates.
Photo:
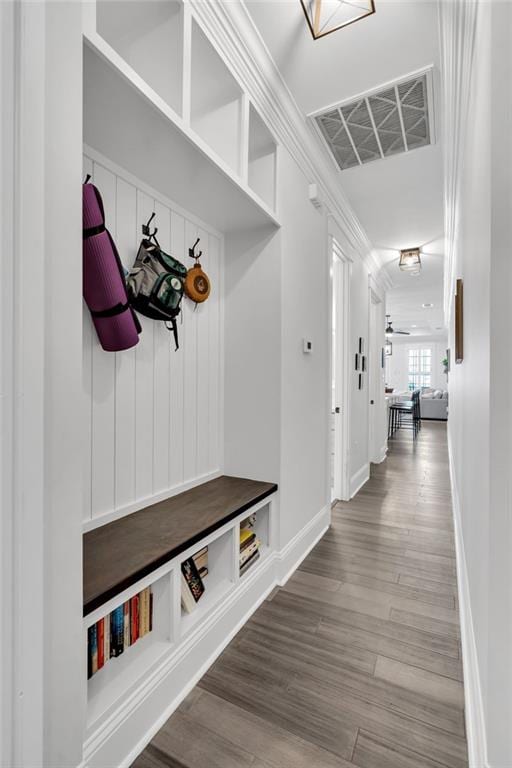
(474, 709)
(292, 555)
(359, 479)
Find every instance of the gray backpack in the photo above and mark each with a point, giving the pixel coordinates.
(156, 282)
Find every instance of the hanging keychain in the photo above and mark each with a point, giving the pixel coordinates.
(197, 283)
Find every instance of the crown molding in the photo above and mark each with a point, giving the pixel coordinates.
(234, 33)
(457, 31)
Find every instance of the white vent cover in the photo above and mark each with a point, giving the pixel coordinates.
(385, 122)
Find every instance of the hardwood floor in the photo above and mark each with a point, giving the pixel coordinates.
(356, 661)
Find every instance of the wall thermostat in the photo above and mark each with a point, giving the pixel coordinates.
(307, 346)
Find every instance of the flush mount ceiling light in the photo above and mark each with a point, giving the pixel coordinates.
(326, 16)
(410, 260)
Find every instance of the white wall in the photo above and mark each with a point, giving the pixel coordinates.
(252, 406)
(397, 363)
(276, 403)
(480, 412)
(305, 264)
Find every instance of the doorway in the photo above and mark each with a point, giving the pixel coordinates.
(339, 424)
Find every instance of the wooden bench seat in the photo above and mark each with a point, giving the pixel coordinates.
(117, 555)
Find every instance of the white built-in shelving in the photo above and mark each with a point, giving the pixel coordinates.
(173, 628)
(262, 159)
(161, 102)
(167, 126)
(118, 676)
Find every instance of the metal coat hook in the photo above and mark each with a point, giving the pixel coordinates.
(192, 253)
(147, 232)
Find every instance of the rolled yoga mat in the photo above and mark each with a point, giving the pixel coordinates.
(104, 286)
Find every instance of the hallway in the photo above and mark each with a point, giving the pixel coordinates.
(356, 661)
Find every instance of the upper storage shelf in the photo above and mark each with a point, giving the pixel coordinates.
(215, 102)
(262, 159)
(149, 37)
(160, 102)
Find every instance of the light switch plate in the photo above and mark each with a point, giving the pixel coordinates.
(307, 346)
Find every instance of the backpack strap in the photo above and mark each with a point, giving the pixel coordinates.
(172, 326)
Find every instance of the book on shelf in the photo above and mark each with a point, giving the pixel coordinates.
(192, 587)
(117, 631)
(201, 560)
(92, 658)
(122, 627)
(249, 544)
(134, 618)
(249, 551)
(126, 624)
(246, 536)
(100, 630)
(248, 563)
(249, 522)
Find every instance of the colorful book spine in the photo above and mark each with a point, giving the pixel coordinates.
(106, 632)
(94, 649)
(126, 624)
(101, 642)
(117, 631)
(134, 615)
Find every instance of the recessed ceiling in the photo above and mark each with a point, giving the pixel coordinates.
(385, 122)
(398, 202)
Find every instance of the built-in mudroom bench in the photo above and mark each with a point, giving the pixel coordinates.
(133, 591)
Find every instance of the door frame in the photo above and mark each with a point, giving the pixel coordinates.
(342, 365)
(377, 411)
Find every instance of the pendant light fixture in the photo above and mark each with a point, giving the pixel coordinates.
(410, 260)
(326, 16)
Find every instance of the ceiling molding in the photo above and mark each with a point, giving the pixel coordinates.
(232, 30)
(457, 27)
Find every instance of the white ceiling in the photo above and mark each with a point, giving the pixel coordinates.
(399, 200)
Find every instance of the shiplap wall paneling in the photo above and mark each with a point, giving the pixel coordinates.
(125, 361)
(154, 412)
(103, 380)
(177, 416)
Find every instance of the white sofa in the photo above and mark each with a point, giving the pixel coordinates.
(434, 404)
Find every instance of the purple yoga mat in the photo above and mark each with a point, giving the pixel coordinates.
(104, 287)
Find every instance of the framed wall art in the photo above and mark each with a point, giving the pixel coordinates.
(459, 321)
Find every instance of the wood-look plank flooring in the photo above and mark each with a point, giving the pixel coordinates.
(357, 660)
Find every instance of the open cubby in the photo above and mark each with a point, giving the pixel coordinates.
(218, 583)
(119, 674)
(215, 102)
(262, 159)
(259, 523)
(148, 35)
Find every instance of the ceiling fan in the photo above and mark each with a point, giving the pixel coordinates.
(389, 329)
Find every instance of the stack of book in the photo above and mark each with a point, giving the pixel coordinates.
(249, 544)
(193, 572)
(121, 628)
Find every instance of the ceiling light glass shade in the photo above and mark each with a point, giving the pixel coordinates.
(410, 261)
(326, 16)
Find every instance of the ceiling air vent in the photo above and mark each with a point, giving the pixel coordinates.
(396, 118)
